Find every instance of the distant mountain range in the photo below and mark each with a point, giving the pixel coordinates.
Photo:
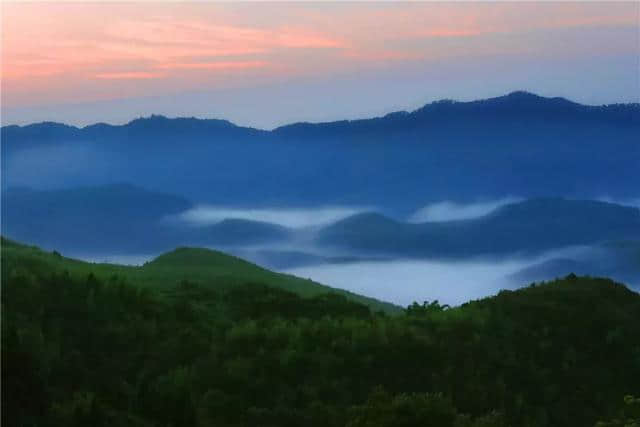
(519, 144)
(58, 186)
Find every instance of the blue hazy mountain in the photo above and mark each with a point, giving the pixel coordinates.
(519, 144)
(120, 218)
(617, 259)
(126, 219)
(233, 232)
(526, 227)
(88, 218)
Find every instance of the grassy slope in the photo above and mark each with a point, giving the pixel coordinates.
(203, 266)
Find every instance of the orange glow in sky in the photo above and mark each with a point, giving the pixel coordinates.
(56, 53)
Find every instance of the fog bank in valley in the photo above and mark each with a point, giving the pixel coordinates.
(400, 281)
(132, 260)
(405, 281)
(629, 201)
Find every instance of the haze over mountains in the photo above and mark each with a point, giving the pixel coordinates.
(519, 144)
(514, 176)
(128, 218)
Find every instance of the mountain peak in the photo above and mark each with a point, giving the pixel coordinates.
(157, 119)
(192, 256)
(519, 100)
(523, 94)
(526, 99)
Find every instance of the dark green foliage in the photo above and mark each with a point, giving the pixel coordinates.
(89, 350)
(629, 415)
(426, 308)
(415, 409)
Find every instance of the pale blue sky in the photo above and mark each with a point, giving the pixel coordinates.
(270, 64)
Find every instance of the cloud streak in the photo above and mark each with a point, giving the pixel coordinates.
(135, 75)
(224, 65)
(288, 217)
(452, 211)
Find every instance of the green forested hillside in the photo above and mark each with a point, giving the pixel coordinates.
(84, 349)
(206, 267)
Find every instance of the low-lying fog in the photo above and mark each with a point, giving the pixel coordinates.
(445, 210)
(451, 211)
(405, 281)
(288, 217)
(400, 281)
(133, 260)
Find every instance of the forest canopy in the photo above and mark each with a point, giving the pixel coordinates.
(82, 350)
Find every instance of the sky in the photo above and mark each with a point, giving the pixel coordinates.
(269, 64)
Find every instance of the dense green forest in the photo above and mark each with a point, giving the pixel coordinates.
(87, 348)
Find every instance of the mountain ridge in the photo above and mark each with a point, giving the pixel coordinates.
(519, 97)
(445, 151)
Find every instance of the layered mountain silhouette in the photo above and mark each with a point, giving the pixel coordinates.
(618, 259)
(127, 219)
(519, 144)
(89, 219)
(118, 218)
(527, 227)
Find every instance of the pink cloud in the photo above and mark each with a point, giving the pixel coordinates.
(228, 65)
(48, 47)
(129, 75)
(293, 38)
(382, 55)
(447, 32)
